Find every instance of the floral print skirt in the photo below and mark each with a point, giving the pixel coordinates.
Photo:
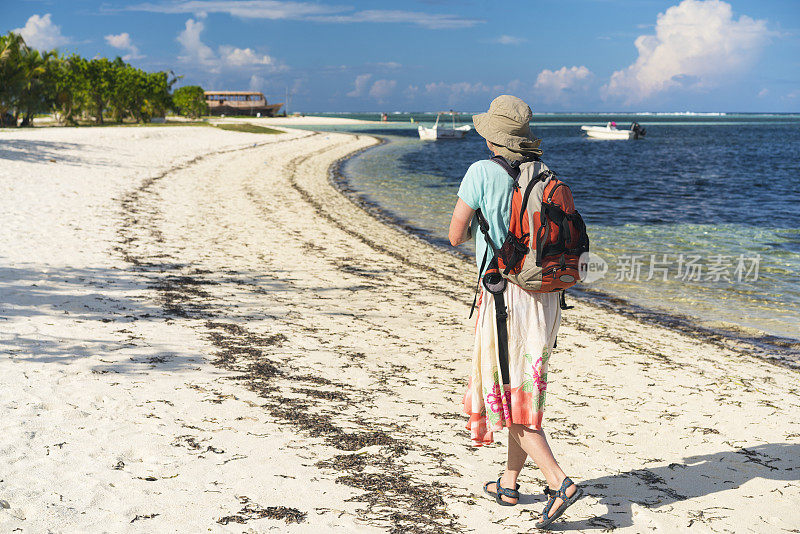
(533, 320)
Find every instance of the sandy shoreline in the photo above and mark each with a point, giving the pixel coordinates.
(201, 333)
(777, 350)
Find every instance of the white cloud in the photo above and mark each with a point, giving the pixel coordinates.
(382, 88)
(280, 10)
(431, 21)
(436, 87)
(123, 42)
(762, 93)
(389, 65)
(696, 44)
(455, 93)
(361, 84)
(227, 57)
(257, 83)
(248, 9)
(242, 57)
(559, 84)
(194, 49)
(509, 40)
(40, 33)
(459, 91)
(261, 84)
(514, 86)
(465, 88)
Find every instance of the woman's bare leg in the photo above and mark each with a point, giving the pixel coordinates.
(534, 443)
(516, 459)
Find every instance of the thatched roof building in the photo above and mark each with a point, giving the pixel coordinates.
(240, 103)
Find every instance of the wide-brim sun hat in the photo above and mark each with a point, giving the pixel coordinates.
(507, 125)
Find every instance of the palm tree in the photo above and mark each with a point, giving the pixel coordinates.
(34, 88)
(12, 77)
(66, 84)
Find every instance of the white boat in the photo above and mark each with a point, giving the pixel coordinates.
(610, 131)
(443, 132)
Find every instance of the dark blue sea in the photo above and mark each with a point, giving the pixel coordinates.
(700, 218)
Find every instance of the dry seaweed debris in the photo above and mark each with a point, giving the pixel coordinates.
(252, 511)
(147, 516)
(396, 500)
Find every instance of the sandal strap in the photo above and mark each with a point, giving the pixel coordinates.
(562, 491)
(550, 501)
(508, 492)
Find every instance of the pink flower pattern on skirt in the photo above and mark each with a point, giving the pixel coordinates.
(541, 385)
(495, 401)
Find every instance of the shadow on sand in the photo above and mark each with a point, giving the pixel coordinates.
(695, 476)
(89, 296)
(31, 151)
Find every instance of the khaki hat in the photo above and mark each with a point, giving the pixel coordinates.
(507, 125)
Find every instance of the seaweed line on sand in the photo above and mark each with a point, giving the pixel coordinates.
(251, 511)
(394, 498)
(378, 247)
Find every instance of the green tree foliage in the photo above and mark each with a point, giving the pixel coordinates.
(67, 88)
(99, 77)
(190, 101)
(71, 87)
(12, 75)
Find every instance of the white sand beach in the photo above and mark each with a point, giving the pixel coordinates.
(199, 333)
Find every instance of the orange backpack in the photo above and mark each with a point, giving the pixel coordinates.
(546, 234)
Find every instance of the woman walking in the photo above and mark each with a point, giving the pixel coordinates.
(507, 387)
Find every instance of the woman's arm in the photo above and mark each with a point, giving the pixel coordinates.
(459, 224)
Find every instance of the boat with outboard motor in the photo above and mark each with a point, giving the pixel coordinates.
(610, 131)
(443, 132)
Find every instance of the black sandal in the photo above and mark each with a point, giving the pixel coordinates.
(501, 491)
(560, 494)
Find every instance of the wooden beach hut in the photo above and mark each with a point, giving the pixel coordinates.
(240, 103)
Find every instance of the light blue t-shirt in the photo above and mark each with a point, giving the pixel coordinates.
(487, 186)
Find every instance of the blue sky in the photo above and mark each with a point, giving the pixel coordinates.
(375, 55)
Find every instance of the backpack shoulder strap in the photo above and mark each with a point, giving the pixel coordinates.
(483, 224)
(512, 168)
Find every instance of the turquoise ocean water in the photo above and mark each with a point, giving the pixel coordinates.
(699, 219)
